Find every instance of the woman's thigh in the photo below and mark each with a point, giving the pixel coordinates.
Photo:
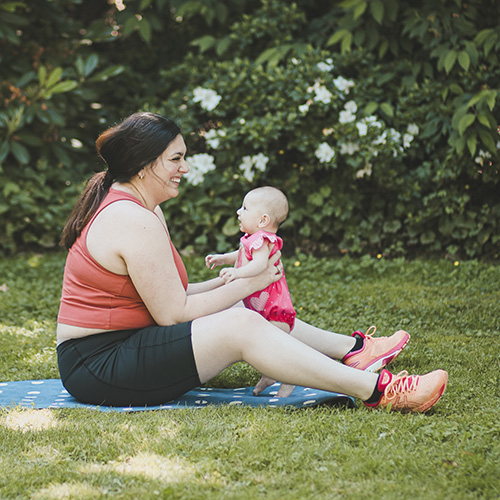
(218, 340)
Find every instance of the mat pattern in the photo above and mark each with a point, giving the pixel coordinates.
(50, 393)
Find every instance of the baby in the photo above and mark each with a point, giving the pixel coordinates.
(260, 216)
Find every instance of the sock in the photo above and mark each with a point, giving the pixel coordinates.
(376, 395)
(383, 380)
(360, 342)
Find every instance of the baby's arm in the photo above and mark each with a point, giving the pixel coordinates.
(221, 259)
(253, 268)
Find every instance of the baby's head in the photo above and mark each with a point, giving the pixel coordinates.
(263, 208)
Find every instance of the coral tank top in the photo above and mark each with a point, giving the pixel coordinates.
(93, 297)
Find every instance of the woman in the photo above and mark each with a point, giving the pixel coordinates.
(132, 331)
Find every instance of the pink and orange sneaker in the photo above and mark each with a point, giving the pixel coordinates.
(376, 352)
(410, 393)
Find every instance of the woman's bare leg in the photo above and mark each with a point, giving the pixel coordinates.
(285, 389)
(238, 334)
(334, 345)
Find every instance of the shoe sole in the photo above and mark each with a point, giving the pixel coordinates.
(388, 358)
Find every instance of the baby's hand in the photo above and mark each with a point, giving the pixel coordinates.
(214, 260)
(228, 274)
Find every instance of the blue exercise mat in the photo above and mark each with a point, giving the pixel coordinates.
(50, 393)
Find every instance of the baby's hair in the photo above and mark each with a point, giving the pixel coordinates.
(274, 202)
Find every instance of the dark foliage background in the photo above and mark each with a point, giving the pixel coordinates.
(377, 118)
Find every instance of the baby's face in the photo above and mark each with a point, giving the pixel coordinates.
(250, 214)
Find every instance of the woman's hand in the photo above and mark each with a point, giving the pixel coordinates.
(271, 273)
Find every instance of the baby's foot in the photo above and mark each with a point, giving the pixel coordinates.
(285, 390)
(262, 384)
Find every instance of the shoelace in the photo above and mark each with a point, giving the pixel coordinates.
(400, 383)
(369, 333)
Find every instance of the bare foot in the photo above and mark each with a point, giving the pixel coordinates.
(285, 390)
(262, 384)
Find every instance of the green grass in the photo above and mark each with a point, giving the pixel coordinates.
(452, 452)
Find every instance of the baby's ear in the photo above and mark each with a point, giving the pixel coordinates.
(265, 220)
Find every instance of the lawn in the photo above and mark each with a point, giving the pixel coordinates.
(452, 311)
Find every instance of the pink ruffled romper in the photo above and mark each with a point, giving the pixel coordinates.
(274, 302)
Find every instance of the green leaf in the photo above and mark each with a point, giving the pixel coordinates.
(465, 122)
(4, 151)
(449, 60)
(337, 37)
(204, 43)
(345, 46)
(145, 30)
(222, 46)
(359, 10)
(377, 10)
(90, 64)
(54, 77)
(464, 60)
(387, 109)
(64, 86)
(427, 237)
(130, 25)
(30, 139)
(42, 75)
(370, 108)
(231, 227)
(455, 88)
(487, 140)
(104, 75)
(483, 36)
(472, 143)
(483, 120)
(392, 226)
(20, 152)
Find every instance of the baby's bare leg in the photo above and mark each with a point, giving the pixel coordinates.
(285, 389)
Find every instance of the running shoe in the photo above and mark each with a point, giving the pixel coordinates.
(376, 352)
(410, 393)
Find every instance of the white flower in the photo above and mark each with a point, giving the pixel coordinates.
(246, 166)
(199, 165)
(362, 128)
(212, 137)
(250, 164)
(208, 98)
(348, 148)
(326, 66)
(324, 152)
(322, 94)
(381, 139)
(260, 161)
(372, 120)
(342, 84)
(346, 117)
(367, 171)
(413, 129)
(394, 135)
(482, 156)
(304, 108)
(407, 138)
(351, 106)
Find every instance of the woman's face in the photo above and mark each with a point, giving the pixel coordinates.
(171, 166)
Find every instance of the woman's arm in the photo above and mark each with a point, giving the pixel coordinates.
(144, 246)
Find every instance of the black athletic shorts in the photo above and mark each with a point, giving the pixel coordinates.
(149, 366)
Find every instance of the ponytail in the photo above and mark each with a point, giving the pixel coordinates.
(96, 190)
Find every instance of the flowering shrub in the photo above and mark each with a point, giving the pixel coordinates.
(378, 120)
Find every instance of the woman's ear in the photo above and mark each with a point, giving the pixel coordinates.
(265, 220)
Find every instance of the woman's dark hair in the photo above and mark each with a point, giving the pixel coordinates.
(126, 148)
